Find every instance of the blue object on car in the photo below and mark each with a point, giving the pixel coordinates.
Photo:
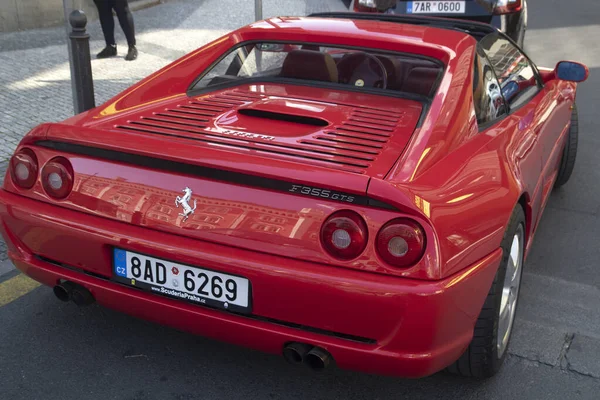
(571, 71)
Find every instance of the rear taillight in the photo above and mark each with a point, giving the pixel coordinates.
(24, 168)
(57, 178)
(508, 6)
(344, 235)
(401, 242)
(365, 6)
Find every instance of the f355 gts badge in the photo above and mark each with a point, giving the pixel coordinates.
(184, 203)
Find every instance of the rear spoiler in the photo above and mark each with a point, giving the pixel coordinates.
(476, 29)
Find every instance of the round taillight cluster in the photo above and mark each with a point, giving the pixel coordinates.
(57, 174)
(401, 242)
(24, 168)
(344, 235)
(57, 178)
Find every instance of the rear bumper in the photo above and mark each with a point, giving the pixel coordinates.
(368, 322)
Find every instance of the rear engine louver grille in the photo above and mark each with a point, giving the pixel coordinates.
(366, 132)
(352, 145)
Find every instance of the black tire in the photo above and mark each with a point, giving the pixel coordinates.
(569, 155)
(481, 359)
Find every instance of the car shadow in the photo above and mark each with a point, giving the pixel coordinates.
(117, 356)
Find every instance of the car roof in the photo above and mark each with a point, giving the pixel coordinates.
(427, 40)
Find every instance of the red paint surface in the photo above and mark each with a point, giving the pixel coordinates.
(419, 327)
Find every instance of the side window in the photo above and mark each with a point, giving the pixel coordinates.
(487, 97)
(518, 79)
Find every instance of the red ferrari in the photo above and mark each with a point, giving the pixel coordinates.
(349, 189)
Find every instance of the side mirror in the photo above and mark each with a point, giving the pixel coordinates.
(571, 71)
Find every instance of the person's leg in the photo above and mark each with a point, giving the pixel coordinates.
(126, 22)
(108, 28)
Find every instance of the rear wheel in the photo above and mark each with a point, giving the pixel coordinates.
(488, 348)
(569, 155)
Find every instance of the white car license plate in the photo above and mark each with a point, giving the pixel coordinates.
(196, 285)
(435, 7)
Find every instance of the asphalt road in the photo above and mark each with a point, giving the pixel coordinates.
(50, 350)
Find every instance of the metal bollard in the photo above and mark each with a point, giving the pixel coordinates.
(258, 10)
(81, 69)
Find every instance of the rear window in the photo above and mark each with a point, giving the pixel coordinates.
(319, 64)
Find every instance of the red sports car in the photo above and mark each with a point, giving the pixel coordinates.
(353, 191)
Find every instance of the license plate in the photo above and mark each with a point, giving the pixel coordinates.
(184, 282)
(435, 7)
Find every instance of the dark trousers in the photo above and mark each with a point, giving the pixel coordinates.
(107, 22)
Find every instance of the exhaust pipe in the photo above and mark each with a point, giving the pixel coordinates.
(318, 359)
(63, 291)
(82, 297)
(67, 291)
(295, 353)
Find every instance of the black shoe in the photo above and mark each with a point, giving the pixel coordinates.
(108, 51)
(132, 53)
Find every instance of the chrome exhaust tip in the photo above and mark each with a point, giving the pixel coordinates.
(318, 359)
(63, 291)
(81, 296)
(294, 353)
(67, 291)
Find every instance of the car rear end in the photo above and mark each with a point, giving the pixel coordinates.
(242, 213)
(506, 15)
(365, 322)
(261, 262)
(266, 269)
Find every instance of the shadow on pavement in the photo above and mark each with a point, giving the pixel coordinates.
(124, 358)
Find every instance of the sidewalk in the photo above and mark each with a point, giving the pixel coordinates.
(35, 77)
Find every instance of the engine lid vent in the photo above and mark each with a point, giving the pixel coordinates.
(353, 138)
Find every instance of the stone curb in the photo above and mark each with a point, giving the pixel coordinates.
(6, 266)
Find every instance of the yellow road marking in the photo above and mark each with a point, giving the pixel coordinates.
(16, 287)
